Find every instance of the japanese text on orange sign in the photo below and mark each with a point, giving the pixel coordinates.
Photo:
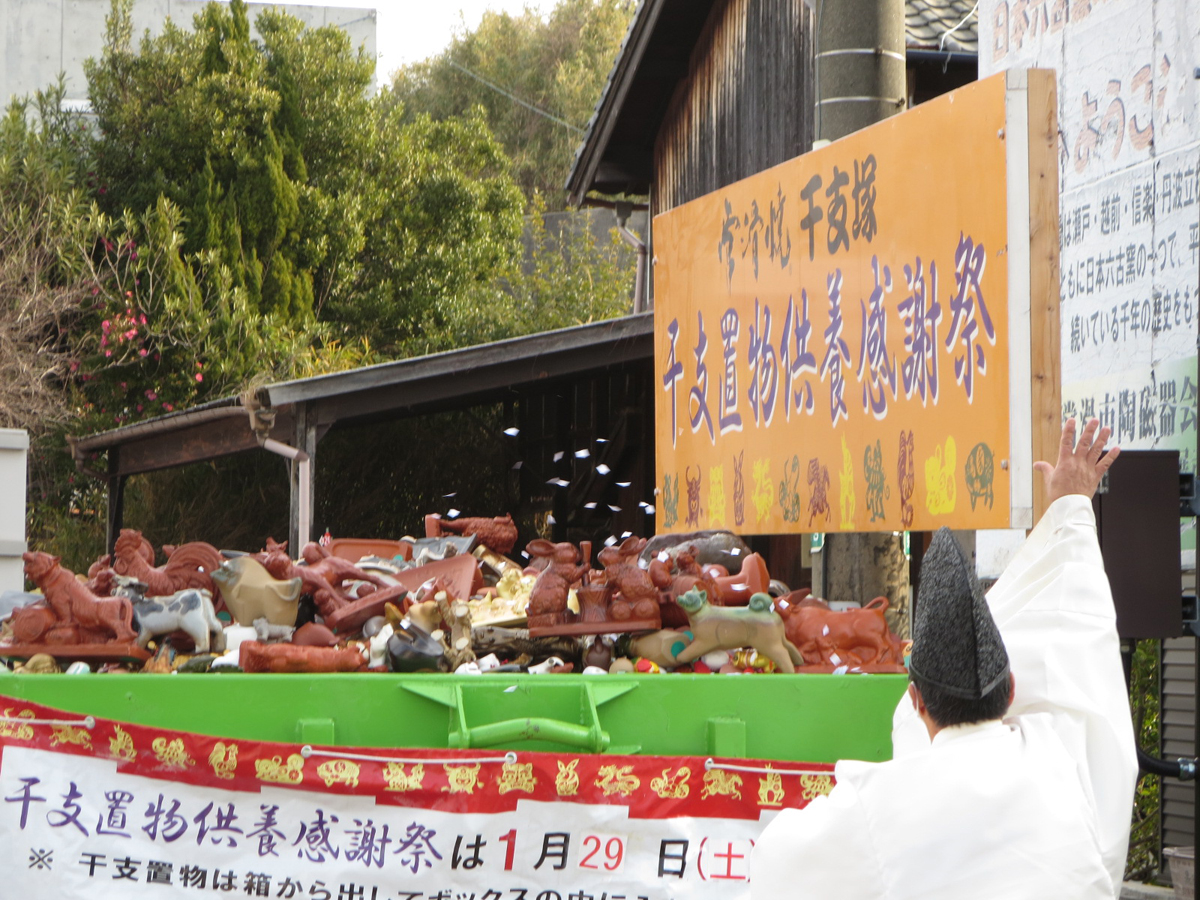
(831, 335)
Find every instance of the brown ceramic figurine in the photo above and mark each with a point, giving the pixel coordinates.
(255, 656)
(334, 569)
(72, 621)
(188, 565)
(632, 595)
(548, 599)
(498, 533)
(853, 638)
(675, 577)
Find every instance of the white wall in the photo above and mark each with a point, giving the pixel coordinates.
(14, 450)
(1129, 163)
(44, 37)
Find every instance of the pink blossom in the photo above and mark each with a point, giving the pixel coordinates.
(150, 395)
(131, 334)
(124, 386)
(128, 294)
(105, 325)
(108, 353)
(103, 342)
(199, 377)
(142, 319)
(139, 407)
(168, 407)
(95, 290)
(74, 365)
(143, 352)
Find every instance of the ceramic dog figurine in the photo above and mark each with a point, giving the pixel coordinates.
(729, 627)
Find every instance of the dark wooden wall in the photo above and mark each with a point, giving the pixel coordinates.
(745, 105)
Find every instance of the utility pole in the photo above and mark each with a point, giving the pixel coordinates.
(861, 79)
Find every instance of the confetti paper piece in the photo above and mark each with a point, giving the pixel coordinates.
(583, 454)
(512, 432)
(614, 508)
(624, 483)
(603, 469)
(559, 455)
(453, 513)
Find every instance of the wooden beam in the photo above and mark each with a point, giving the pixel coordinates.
(1045, 346)
(197, 443)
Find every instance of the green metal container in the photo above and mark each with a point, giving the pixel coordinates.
(813, 718)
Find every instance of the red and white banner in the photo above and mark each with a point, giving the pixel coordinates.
(110, 809)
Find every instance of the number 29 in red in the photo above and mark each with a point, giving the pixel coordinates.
(614, 851)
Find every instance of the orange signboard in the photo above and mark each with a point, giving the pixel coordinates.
(832, 335)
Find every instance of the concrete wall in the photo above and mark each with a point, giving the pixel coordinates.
(44, 37)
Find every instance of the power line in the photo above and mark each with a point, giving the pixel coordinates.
(514, 98)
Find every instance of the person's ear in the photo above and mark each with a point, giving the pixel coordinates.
(915, 696)
(1012, 687)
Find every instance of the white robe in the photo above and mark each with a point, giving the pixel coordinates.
(1036, 806)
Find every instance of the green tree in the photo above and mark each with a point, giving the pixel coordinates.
(445, 220)
(250, 140)
(558, 64)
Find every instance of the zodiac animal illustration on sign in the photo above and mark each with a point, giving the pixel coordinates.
(905, 478)
(877, 486)
(670, 501)
(739, 490)
(693, 496)
(818, 485)
(789, 490)
(980, 471)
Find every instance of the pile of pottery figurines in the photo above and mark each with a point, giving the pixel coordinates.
(452, 601)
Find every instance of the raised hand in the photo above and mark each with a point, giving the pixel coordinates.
(1081, 464)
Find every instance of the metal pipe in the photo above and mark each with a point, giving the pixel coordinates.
(640, 279)
(303, 476)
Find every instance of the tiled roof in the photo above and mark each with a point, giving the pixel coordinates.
(925, 21)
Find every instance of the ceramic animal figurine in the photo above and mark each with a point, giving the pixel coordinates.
(333, 569)
(675, 577)
(251, 593)
(548, 598)
(188, 565)
(852, 637)
(190, 611)
(255, 656)
(661, 647)
(79, 616)
(756, 625)
(631, 593)
(269, 633)
(327, 598)
(498, 533)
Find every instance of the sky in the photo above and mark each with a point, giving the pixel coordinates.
(408, 31)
